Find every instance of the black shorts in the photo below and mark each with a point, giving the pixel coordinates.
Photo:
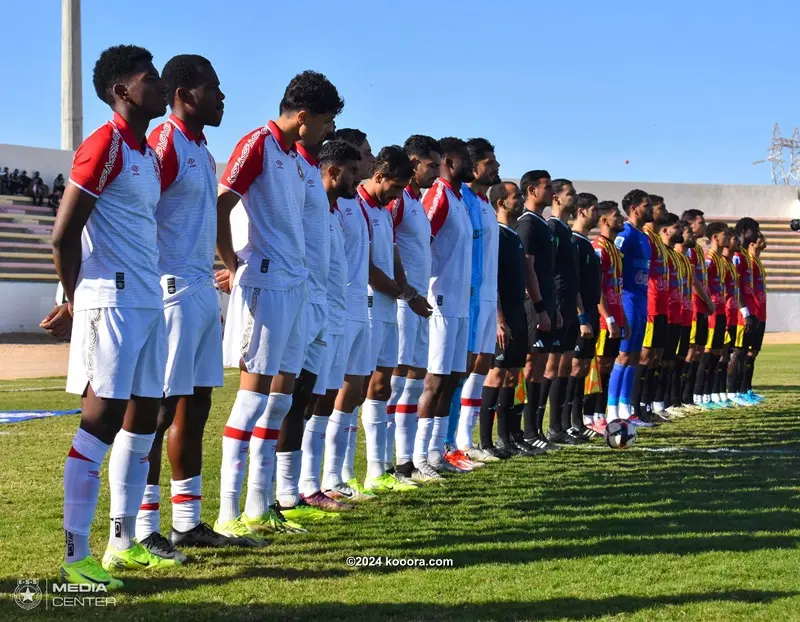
(731, 330)
(683, 345)
(716, 333)
(585, 348)
(566, 337)
(655, 333)
(757, 336)
(538, 341)
(699, 333)
(607, 346)
(514, 355)
(673, 341)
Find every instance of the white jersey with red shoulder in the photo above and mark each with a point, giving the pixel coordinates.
(381, 306)
(490, 250)
(267, 174)
(315, 228)
(356, 248)
(451, 249)
(337, 274)
(119, 258)
(412, 232)
(187, 210)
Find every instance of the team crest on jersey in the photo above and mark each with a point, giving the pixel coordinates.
(375, 222)
(348, 211)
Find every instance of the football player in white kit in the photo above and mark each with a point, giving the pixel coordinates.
(265, 326)
(413, 238)
(106, 255)
(448, 294)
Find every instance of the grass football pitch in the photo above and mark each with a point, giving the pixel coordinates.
(699, 522)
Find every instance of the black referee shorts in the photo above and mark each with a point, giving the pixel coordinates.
(539, 341)
(585, 348)
(516, 351)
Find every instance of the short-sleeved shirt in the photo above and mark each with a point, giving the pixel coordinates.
(567, 277)
(476, 275)
(589, 271)
(451, 249)
(715, 268)
(697, 259)
(611, 270)
(731, 292)
(412, 232)
(336, 287)
(744, 270)
(686, 277)
(315, 228)
(538, 242)
(269, 177)
(187, 210)
(760, 289)
(482, 211)
(511, 279)
(636, 252)
(380, 306)
(658, 288)
(675, 276)
(119, 244)
(356, 249)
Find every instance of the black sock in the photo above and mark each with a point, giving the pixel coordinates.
(602, 397)
(490, 397)
(702, 367)
(505, 418)
(662, 378)
(558, 393)
(532, 390)
(750, 370)
(638, 385)
(651, 379)
(711, 367)
(577, 403)
(676, 382)
(719, 377)
(566, 408)
(690, 381)
(544, 394)
(406, 469)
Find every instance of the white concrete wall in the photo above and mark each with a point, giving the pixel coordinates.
(783, 312)
(49, 162)
(23, 305)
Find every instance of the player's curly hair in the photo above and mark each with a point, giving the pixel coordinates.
(634, 199)
(479, 149)
(393, 163)
(313, 92)
(350, 135)
(181, 72)
(747, 230)
(338, 153)
(453, 147)
(421, 146)
(116, 63)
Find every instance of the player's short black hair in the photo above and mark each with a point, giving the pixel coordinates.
(690, 215)
(560, 184)
(715, 227)
(634, 199)
(479, 149)
(607, 207)
(116, 63)
(684, 224)
(452, 146)
(586, 200)
(743, 225)
(351, 135)
(421, 146)
(498, 192)
(393, 163)
(313, 92)
(182, 72)
(531, 178)
(668, 220)
(337, 152)
(656, 199)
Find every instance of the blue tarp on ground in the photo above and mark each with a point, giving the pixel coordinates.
(15, 416)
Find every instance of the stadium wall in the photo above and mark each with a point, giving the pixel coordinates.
(24, 305)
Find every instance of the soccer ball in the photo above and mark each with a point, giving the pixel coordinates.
(620, 434)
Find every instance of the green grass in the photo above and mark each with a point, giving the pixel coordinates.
(587, 533)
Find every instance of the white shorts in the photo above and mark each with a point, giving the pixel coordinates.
(384, 341)
(357, 351)
(413, 331)
(194, 343)
(486, 329)
(119, 351)
(447, 352)
(266, 329)
(316, 316)
(331, 371)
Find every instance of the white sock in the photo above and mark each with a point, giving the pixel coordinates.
(422, 441)
(600, 417)
(247, 408)
(698, 399)
(287, 477)
(706, 399)
(715, 398)
(81, 490)
(658, 407)
(349, 465)
(612, 412)
(186, 495)
(337, 433)
(436, 446)
(127, 479)
(148, 520)
(471, 401)
(587, 421)
(313, 449)
(261, 474)
(406, 418)
(373, 418)
(623, 411)
(397, 384)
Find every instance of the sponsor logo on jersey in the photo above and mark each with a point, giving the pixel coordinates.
(369, 301)
(279, 164)
(264, 266)
(171, 289)
(135, 170)
(120, 280)
(191, 162)
(439, 300)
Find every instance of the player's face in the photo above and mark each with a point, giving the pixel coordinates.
(567, 197)
(487, 171)
(618, 222)
(388, 190)
(145, 89)
(346, 179)
(315, 128)
(427, 169)
(659, 211)
(698, 227)
(514, 201)
(208, 97)
(543, 189)
(367, 163)
(592, 215)
(675, 234)
(733, 244)
(462, 168)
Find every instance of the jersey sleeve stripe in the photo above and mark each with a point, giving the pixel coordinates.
(77, 185)
(246, 162)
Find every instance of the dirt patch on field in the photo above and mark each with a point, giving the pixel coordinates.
(782, 338)
(32, 356)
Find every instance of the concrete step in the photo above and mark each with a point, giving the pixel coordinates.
(38, 257)
(10, 208)
(24, 266)
(26, 218)
(44, 247)
(22, 227)
(33, 277)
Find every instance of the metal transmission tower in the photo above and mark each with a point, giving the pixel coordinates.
(780, 176)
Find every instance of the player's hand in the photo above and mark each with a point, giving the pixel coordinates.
(748, 324)
(559, 320)
(614, 331)
(544, 324)
(420, 306)
(503, 335)
(586, 331)
(223, 278)
(58, 322)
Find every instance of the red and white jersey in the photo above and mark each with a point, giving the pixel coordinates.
(451, 250)
(356, 250)
(412, 232)
(268, 175)
(337, 274)
(119, 258)
(187, 210)
(380, 306)
(490, 243)
(315, 228)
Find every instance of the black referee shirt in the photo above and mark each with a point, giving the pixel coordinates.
(537, 240)
(589, 271)
(511, 275)
(567, 277)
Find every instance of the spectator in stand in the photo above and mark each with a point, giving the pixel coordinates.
(58, 191)
(37, 189)
(5, 179)
(15, 184)
(25, 183)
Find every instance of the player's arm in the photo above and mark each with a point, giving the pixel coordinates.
(587, 332)
(503, 330)
(416, 301)
(73, 213)
(535, 294)
(226, 201)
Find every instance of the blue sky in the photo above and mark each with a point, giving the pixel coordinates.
(683, 91)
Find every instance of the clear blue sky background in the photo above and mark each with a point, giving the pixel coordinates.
(687, 91)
